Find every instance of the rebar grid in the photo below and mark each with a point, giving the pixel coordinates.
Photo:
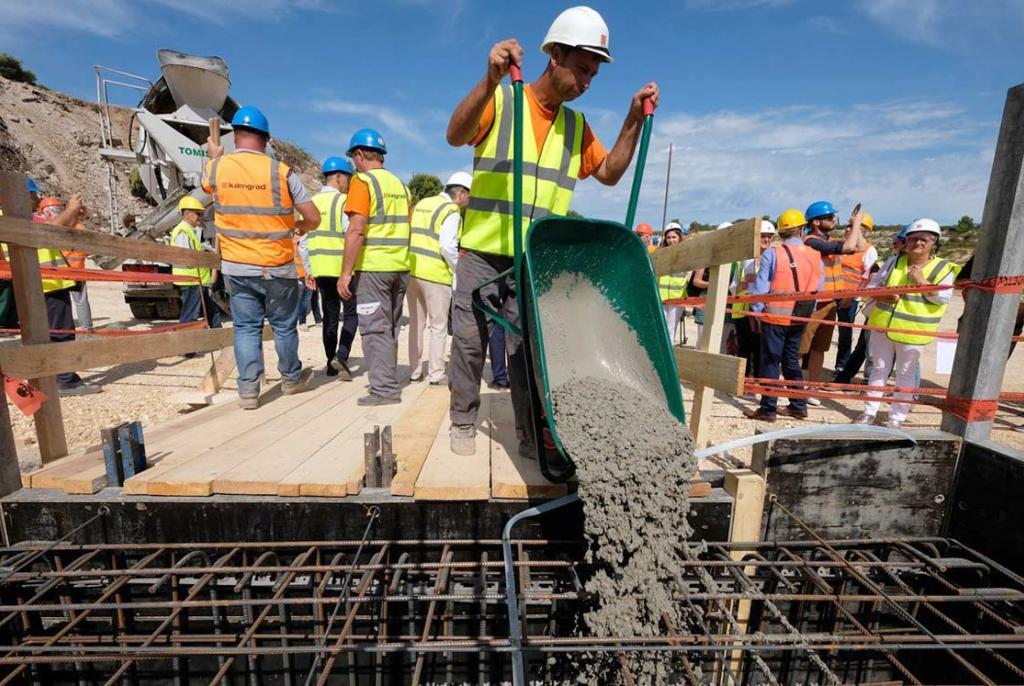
(913, 611)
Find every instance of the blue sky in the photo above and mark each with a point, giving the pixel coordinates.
(769, 103)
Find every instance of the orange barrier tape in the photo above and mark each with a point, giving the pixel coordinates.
(950, 335)
(69, 274)
(181, 326)
(971, 410)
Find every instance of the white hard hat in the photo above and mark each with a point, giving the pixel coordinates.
(674, 225)
(767, 227)
(460, 178)
(579, 27)
(723, 225)
(924, 224)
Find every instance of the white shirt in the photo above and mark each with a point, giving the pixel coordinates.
(449, 236)
(870, 257)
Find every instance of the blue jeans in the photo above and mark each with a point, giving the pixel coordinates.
(845, 345)
(254, 299)
(308, 302)
(496, 349)
(192, 306)
(780, 348)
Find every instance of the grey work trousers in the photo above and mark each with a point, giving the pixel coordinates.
(379, 298)
(471, 332)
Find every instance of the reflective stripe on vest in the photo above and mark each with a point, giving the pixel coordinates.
(807, 261)
(549, 176)
(833, 267)
(326, 245)
(425, 259)
(673, 286)
(253, 210)
(53, 258)
(913, 310)
(300, 268)
(387, 229)
(852, 274)
(76, 259)
(204, 273)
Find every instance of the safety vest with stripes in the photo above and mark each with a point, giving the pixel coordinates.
(53, 259)
(833, 265)
(852, 274)
(76, 258)
(672, 286)
(204, 273)
(253, 210)
(912, 310)
(300, 268)
(387, 230)
(807, 262)
(549, 177)
(326, 245)
(739, 309)
(425, 258)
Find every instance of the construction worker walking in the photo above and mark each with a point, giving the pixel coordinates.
(376, 266)
(433, 254)
(255, 198)
(326, 248)
(559, 148)
(195, 296)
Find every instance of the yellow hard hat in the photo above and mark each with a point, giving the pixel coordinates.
(190, 203)
(867, 221)
(791, 219)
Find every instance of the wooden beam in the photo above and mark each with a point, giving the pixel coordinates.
(34, 235)
(713, 370)
(724, 246)
(711, 341)
(35, 325)
(987, 326)
(413, 436)
(51, 358)
(747, 489)
(220, 370)
(10, 471)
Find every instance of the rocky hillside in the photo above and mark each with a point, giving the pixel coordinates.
(55, 138)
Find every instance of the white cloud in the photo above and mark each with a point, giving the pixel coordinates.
(948, 24)
(392, 121)
(728, 5)
(901, 159)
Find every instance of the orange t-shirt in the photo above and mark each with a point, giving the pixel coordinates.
(542, 119)
(358, 201)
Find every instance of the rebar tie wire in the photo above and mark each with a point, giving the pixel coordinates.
(372, 514)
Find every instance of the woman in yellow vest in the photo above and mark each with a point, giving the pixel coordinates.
(674, 285)
(195, 296)
(919, 312)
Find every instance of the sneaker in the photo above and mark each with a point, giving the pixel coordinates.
(372, 400)
(252, 403)
(527, 450)
(302, 384)
(462, 438)
(79, 388)
(416, 379)
(341, 366)
(330, 370)
(813, 401)
(790, 411)
(495, 386)
(759, 415)
(864, 419)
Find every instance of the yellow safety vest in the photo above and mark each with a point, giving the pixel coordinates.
(326, 245)
(673, 286)
(912, 310)
(425, 259)
(204, 273)
(51, 257)
(387, 230)
(739, 308)
(549, 177)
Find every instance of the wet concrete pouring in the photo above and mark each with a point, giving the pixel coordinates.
(634, 463)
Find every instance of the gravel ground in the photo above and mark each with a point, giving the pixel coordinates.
(143, 391)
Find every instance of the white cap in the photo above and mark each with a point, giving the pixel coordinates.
(767, 227)
(723, 225)
(579, 27)
(924, 224)
(460, 178)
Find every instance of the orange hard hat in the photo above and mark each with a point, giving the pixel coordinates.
(644, 229)
(50, 202)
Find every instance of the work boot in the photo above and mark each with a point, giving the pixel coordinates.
(759, 415)
(790, 411)
(330, 370)
(372, 400)
(463, 439)
(252, 403)
(341, 367)
(302, 384)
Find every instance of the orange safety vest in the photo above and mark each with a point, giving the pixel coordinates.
(807, 261)
(253, 210)
(833, 268)
(76, 260)
(300, 269)
(852, 275)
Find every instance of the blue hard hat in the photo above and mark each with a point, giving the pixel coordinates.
(336, 164)
(249, 117)
(903, 231)
(32, 187)
(822, 208)
(366, 138)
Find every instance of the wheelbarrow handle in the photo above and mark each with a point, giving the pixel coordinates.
(478, 303)
(641, 161)
(515, 73)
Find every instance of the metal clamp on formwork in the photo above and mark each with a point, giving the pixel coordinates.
(379, 458)
(124, 452)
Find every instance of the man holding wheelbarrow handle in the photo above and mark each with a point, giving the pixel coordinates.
(558, 148)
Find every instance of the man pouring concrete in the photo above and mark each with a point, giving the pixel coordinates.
(559, 148)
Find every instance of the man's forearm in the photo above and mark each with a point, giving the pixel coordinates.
(465, 121)
(619, 157)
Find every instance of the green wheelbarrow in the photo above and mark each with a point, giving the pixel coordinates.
(588, 303)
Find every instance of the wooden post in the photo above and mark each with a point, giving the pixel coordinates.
(35, 327)
(710, 341)
(747, 490)
(987, 327)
